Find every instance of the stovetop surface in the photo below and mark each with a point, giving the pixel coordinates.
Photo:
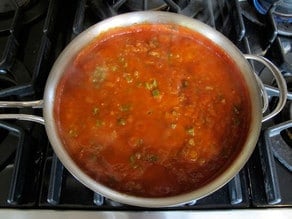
(32, 36)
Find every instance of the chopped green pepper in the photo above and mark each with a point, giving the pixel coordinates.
(99, 75)
(128, 77)
(122, 121)
(151, 85)
(184, 83)
(155, 93)
(191, 142)
(151, 158)
(191, 131)
(125, 107)
(99, 123)
(73, 133)
(173, 125)
(95, 111)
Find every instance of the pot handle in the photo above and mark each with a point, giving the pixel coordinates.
(264, 93)
(282, 86)
(22, 104)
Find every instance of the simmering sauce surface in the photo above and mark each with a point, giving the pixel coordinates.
(152, 110)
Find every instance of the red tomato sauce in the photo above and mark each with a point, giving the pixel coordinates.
(152, 110)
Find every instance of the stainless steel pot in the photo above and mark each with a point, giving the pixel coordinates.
(256, 92)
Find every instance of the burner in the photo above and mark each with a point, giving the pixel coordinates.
(282, 12)
(282, 9)
(6, 136)
(279, 136)
(146, 5)
(286, 114)
(278, 14)
(14, 82)
(31, 10)
(6, 81)
(157, 5)
(263, 6)
(287, 134)
(11, 5)
(190, 8)
(274, 140)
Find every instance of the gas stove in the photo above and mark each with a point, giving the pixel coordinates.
(33, 181)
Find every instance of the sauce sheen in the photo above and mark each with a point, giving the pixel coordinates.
(152, 110)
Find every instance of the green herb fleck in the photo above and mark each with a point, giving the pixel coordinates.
(73, 133)
(236, 120)
(151, 158)
(114, 68)
(121, 121)
(128, 77)
(173, 125)
(236, 109)
(155, 93)
(153, 43)
(184, 83)
(125, 107)
(151, 85)
(95, 111)
(134, 159)
(98, 75)
(191, 142)
(191, 131)
(154, 54)
(99, 123)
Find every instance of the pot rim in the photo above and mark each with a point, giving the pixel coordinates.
(132, 18)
